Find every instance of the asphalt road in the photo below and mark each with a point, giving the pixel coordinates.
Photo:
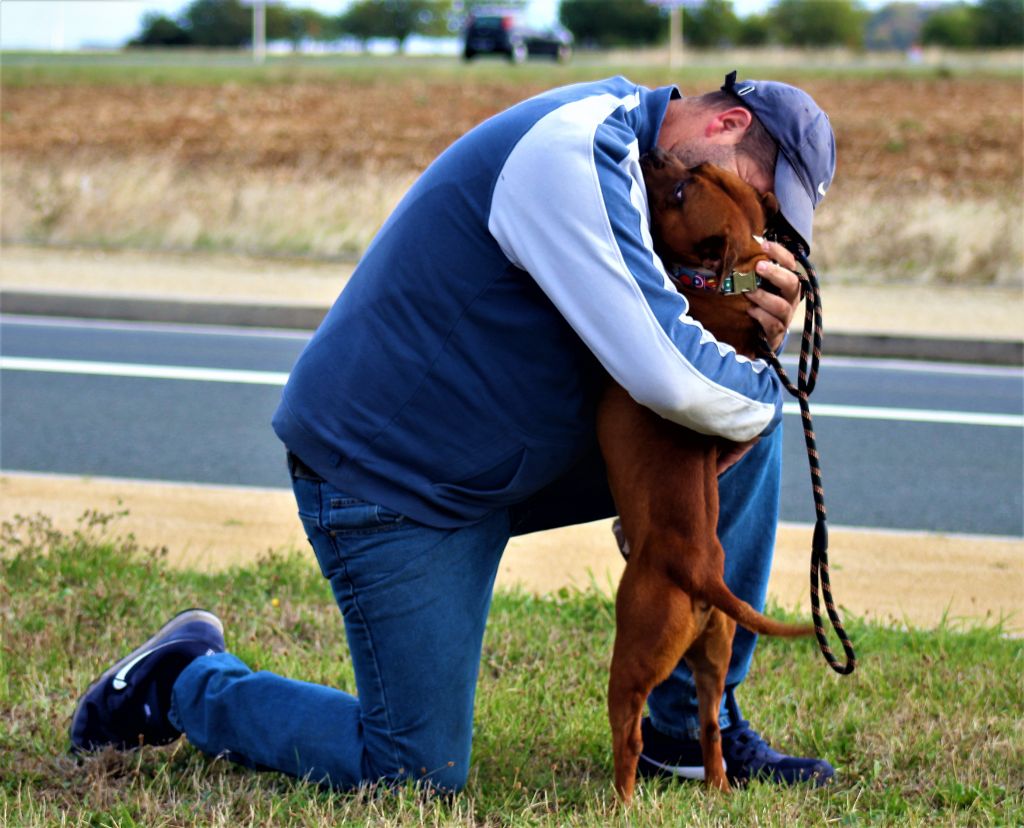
(918, 446)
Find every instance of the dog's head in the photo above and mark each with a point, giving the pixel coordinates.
(704, 216)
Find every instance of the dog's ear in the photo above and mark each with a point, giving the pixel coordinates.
(771, 206)
(729, 253)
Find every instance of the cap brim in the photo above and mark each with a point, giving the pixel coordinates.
(794, 202)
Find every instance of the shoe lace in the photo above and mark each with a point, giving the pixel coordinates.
(746, 745)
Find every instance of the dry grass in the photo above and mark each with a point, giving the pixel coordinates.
(864, 233)
(150, 202)
(868, 234)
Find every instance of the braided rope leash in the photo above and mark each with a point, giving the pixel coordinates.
(810, 356)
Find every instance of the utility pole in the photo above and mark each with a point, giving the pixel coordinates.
(57, 35)
(675, 37)
(675, 28)
(259, 31)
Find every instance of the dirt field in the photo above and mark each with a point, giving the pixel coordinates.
(929, 185)
(960, 134)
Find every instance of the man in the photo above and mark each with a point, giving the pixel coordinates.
(447, 402)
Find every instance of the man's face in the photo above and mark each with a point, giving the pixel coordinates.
(694, 151)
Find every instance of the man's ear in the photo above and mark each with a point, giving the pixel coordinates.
(728, 126)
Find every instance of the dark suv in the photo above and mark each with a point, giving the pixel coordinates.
(504, 33)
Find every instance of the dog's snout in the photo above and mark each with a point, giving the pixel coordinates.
(656, 158)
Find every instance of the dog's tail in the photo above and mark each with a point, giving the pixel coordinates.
(720, 596)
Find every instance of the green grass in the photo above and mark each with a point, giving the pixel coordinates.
(701, 69)
(927, 732)
(217, 67)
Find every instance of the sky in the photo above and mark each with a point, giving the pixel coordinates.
(76, 24)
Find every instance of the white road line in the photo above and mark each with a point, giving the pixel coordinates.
(198, 374)
(127, 369)
(910, 415)
(188, 329)
(883, 365)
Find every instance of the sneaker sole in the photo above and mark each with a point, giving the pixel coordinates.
(181, 619)
(654, 768)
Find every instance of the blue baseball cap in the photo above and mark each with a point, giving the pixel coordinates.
(807, 147)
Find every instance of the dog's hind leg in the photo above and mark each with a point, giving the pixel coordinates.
(654, 625)
(708, 659)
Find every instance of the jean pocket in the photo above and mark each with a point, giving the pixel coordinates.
(352, 516)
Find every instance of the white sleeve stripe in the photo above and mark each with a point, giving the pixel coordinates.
(567, 242)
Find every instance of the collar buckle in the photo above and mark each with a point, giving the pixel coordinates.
(737, 282)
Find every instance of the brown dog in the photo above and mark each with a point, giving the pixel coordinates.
(672, 601)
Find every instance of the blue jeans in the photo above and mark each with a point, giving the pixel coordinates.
(415, 601)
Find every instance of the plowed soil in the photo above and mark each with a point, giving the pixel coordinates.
(960, 135)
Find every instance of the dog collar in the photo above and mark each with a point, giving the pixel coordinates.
(701, 278)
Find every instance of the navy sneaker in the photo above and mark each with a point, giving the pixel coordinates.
(127, 706)
(747, 756)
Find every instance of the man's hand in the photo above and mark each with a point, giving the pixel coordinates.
(775, 312)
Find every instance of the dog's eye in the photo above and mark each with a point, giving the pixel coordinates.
(677, 193)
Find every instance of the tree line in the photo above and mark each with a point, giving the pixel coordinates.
(228, 23)
(802, 23)
(607, 23)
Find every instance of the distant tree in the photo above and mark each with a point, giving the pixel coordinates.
(435, 17)
(894, 26)
(158, 30)
(999, 22)
(395, 18)
(713, 23)
(228, 23)
(280, 21)
(218, 23)
(952, 26)
(754, 30)
(819, 22)
(613, 22)
(359, 21)
(311, 24)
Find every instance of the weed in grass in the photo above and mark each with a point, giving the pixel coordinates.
(927, 732)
